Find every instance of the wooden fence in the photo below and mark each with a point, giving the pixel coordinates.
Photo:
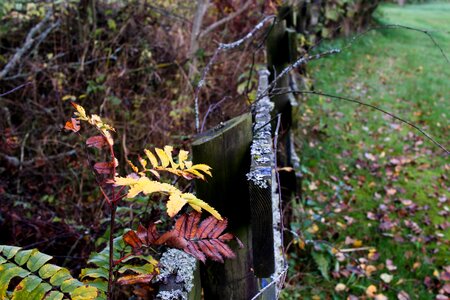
(245, 189)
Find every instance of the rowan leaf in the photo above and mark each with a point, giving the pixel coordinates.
(151, 157)
(165, 161)
(175, 204)
(81, 113)
(192, 200)
(133, 167)
(182, 157)
(143, 162)
(98, 141)
(202, 167)
(73, 125)
(105, 167)
(199, 240)
(168, 150)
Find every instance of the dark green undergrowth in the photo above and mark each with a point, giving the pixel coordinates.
(374, 186)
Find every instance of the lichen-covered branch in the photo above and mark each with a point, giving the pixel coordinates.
(33, 38)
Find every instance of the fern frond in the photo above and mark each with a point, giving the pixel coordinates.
(39, 278)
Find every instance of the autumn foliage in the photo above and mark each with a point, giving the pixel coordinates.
(203, 241)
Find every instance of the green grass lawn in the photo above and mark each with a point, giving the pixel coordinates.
(374, 183)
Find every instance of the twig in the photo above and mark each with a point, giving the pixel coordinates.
(398, 26)
(299, 62)
(29, 41)
(225, 20)
(355, 249)
(15, 89)
(15, 162)
(211, 108)
(222, 47)
(423, 132)
(274, 281)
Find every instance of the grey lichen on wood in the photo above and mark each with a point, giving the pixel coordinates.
(260, 182)
(176, 275)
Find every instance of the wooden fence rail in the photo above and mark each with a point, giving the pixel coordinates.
(245, 188)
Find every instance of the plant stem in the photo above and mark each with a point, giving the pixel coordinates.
(111, 249)
(113, 206)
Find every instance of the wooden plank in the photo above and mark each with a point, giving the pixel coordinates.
(260, 180)
(227, 150)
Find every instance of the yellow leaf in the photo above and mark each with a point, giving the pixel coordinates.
(151, 157)
(195, 207)
(175, 204)
(188, 164)
(81, 113)
(133, 167)
(108, 137)
(371, 290)
(191, 199)
(313, 229)
(357, 243)
(143, 162)
(182, 157)
(168, 150)
(156, 174)
(125, 180)
(163, 157)
(202, 167)
(68, 97)
(195, 173)
(370, 269)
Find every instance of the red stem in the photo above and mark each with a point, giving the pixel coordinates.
(113, 205)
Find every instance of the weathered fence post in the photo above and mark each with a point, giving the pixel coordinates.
(266, 217)
(226, 149)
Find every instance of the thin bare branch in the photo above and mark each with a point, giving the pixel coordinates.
(423, 132)
(222, 47)
(30, 40)
(225, 20)
(15, 89)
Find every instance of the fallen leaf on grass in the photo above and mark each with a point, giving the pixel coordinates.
(403, 296)
(369, 270)
(340, 287)
(386, 277)
(381, 297)
(371, 290)
(390, 265)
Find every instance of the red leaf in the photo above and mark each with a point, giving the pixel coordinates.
(152, 234)
(104, 167)
(97, 141)
(73, 125)
(209, 250)
(142, 234)
(132, 239)
(223, 249)
(216, 231)
(226, 237)
(201, 241)
(206, 227)
(191, 226)
(193, 250)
